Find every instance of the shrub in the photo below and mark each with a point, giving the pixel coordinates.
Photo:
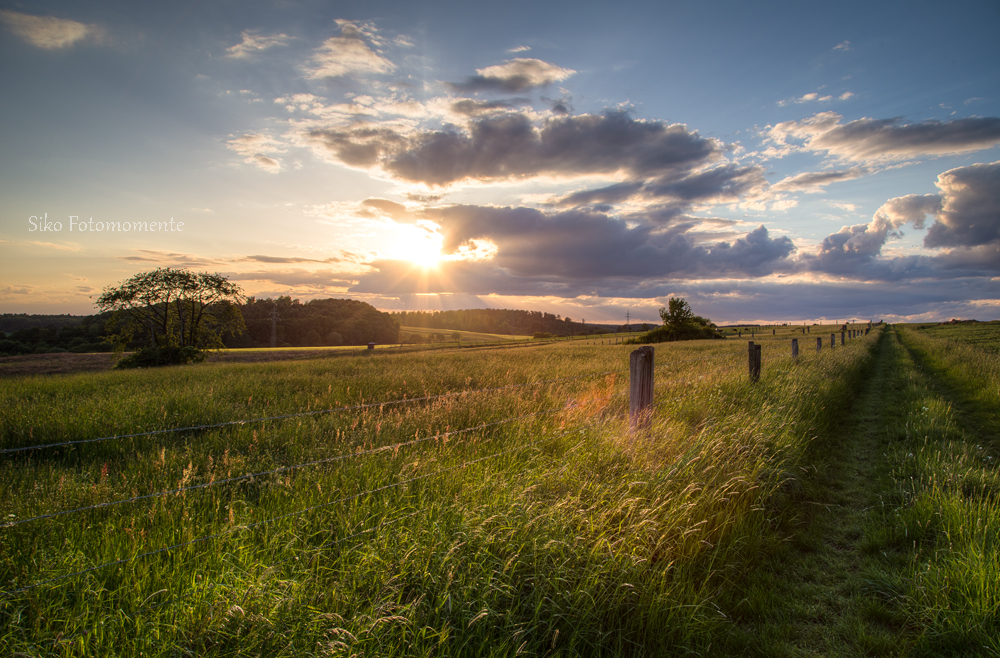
(161, 356)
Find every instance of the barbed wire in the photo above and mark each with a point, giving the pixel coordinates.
(357, 407)
(272, 519)
(329, 544)
(283, 469)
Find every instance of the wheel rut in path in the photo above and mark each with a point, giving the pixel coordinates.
(816, 594)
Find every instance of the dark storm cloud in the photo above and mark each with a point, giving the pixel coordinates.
(511, 146)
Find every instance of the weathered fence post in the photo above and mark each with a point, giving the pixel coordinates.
(842, 338)
(819, 344)
(640, 364)
(753, 353)
(795, 348)
(833, 341)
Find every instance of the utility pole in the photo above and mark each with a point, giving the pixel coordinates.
(628, 323)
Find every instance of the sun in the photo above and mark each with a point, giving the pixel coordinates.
(418, 247)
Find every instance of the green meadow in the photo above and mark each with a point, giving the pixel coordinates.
(498, 502)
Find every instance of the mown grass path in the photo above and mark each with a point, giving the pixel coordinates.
(844, 578)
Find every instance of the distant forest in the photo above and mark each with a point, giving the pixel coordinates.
(496, 321)
(319, 322)
(316, 323)
(43, 334)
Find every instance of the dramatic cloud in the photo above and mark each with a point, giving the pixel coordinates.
(253, 43)
(632, 263)
(257, 150)
(875, 139)
(587, 246)
(726, 183)
(815, 181)
(513, 76)
(909, 209)
(966, 221)
(348, 54)
(47, 31)
(512, 146)
(970, 213)
(722, 184)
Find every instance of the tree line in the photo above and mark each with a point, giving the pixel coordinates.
(318, 322)
(495, 321)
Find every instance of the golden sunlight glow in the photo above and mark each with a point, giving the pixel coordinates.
(417, 246)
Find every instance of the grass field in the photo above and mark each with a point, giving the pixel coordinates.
(497, 502)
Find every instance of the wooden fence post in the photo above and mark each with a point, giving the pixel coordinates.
(640, 363)
(842, 338)
(753, 360)
(833, 341)
(795, 348)
(819, 344)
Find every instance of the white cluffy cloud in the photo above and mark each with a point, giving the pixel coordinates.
(514, 75)
(257, 150)
(47, 31)
(349, 53)
(253, 43)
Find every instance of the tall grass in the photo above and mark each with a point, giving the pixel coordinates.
(565, 532)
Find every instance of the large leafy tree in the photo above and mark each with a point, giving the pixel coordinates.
(677, 314)
(174, 308)
(679, 323)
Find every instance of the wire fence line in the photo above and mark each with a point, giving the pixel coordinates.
(395, 446)
(298, 513)
(357, 407)
(331, 544)
(283, 469)
(272, 519)
(318, 462)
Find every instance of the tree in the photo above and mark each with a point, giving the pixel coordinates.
(677, 314)
(170, 309)
(679, 323)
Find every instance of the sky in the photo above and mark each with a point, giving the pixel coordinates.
(768, 161)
